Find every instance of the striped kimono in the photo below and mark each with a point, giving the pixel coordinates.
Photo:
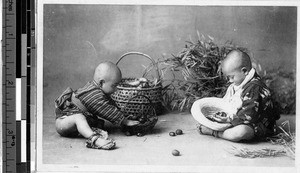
(91, 101)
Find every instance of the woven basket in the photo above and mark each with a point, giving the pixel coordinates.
(149, 116)
(134, 107)
(203, 108)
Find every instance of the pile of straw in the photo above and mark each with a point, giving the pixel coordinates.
(285, 139)
(249, 153)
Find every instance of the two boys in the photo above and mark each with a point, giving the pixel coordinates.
(78, 112)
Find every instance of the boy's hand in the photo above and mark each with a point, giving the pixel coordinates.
(127, 122)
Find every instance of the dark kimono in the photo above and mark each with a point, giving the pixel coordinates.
(256, 108)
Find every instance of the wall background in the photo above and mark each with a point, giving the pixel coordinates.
(78, 37)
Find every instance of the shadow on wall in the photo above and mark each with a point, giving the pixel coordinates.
(78, 37)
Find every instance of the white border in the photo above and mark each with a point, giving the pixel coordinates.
(297, 159)
(180, 2)
(40, 167)
(39, 87)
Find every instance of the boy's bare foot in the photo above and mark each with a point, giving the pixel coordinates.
(203, 130)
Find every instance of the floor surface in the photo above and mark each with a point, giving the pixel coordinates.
(156, 148)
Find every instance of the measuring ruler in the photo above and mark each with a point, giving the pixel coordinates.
(9, 86)
(17, 51)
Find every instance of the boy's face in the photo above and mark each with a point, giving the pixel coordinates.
(236, 67)
(235, 76)
(110, 86)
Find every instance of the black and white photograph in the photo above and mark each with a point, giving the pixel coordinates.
(163, 86)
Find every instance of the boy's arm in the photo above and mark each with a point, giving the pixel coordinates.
(97, 104)
(249, 112)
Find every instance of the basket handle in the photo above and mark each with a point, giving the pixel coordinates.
(139, 96)
(142, 54)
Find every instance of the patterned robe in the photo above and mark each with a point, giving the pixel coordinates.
(256, 108)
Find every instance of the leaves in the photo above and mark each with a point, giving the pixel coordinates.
(196, 71)
(283, 86)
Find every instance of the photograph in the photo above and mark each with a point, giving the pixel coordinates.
(163, 86)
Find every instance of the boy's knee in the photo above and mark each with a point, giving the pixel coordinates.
(242, 132)
(66, 126)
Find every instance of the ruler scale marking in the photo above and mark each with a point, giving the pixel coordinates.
(16, 55)
(9, 129)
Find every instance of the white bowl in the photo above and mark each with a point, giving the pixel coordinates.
(208, 106)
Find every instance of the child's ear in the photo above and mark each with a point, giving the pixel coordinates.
(101, 82)
(245, 71)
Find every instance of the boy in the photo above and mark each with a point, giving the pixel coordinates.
(255, 116)
(78, 112)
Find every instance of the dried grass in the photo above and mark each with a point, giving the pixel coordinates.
(285, 139)
(254, 153)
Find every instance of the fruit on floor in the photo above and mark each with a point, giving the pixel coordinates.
(175, 153)
(178, 132)
(172, 134)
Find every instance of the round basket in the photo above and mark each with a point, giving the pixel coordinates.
(124, 94)
(205, 107)
(150, 118)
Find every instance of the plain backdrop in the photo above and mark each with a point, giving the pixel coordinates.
(78, 37)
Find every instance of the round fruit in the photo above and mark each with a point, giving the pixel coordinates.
(178, 132)
(221, 114)
(175, 153)
(172, 134)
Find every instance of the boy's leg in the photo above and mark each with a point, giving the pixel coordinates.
(76, 123)
(235, 134)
